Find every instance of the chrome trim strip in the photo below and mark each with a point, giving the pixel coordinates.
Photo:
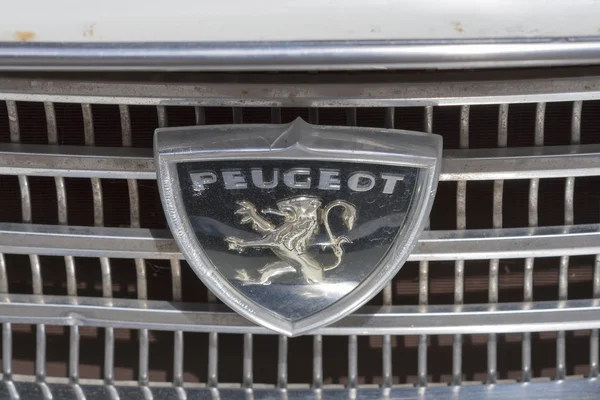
(472, 164)
(300, 90)
(570, 389)
(88, 241)
(369, 320)
(301, 55)
(472, 244)
(76, 161)
(521, 163)
(486, 244)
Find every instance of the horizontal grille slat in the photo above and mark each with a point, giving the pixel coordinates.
(393, 320)
(578, 389)
(76, 161)
(320, 90)
(466, 165)
(473, 244)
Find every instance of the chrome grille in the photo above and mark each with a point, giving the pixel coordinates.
(508, 266)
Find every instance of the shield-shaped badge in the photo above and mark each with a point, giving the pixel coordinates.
(294, 226)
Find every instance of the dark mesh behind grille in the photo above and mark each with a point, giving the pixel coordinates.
(483, 127)
(43, 200)
(80, 206)
(10, 199)
(32, 123)
(181, 116)
(107, 125)
(69, 124)
(521, 125)
(4, 130)
(590, 120)
(557, 124)
(115, 202)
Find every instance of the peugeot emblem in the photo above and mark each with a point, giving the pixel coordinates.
(294, 226)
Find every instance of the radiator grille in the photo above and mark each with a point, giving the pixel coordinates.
(518, 201)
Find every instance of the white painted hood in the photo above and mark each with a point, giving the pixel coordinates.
(282, 20)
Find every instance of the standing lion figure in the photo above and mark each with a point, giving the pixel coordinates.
(291, 240)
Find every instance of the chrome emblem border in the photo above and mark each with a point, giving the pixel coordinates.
(305, 143)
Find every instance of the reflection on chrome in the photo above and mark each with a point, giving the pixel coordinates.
(329, 290)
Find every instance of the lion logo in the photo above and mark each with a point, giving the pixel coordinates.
(291, 240)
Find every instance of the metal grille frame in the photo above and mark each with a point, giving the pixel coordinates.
(462, 165)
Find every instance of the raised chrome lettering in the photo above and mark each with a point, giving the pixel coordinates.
(329, 179)
(259, 180)
(234, 179)
(201, 179)
(361, 181)
(290, 178)
(390, 182)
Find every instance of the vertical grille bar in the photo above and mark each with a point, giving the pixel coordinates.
(317, 362)
(109, 338)
(563, 279)
(387, 292)
(6, 337)
(390, 117)
(352, 362)
(175, 264)
(61, 197)
(352, 339)
(387, 362)
(3, 277)
(594, 338)
(534, 184)
(109, 333)
(7, 359)
(213, 337)
(97, 198)
(424, 280)
(142, 284)
(248, 373)
(89, 137)
(13, 121)
(143, 379)
(313, 118)
(36, 273)
(109, 353)
(88, 128)
(213, 352)
(459, 266)
(248, 377)
(178, 335)
(282, 364)
(495, 264)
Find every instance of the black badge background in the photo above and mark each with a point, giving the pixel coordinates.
(380, 216)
